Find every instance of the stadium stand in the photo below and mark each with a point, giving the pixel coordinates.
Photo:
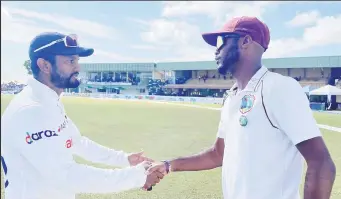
(200, 78)
(191, 78)
(196, 78)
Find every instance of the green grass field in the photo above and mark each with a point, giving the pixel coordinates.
(165, 131)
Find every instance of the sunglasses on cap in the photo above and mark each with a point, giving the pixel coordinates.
(221, 39)
(69, 41)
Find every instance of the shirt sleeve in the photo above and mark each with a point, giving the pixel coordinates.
(291, 111)
(97, 153)
(48, 155)
(221, 127)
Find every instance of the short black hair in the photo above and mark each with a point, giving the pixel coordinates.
(34, 66)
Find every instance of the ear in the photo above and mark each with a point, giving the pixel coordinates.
(44, 66)
(246, 41)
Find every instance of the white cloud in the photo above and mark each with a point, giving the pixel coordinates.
(169, 32)
(20, 30)
(326, 31)
(21, 26)
(138, 21)
(304, 19)
(179, 39)
(144, 47)
(110, 57)
(172, 36)
(186, 8)
(184, 39)
(90, 28)
(217, 10)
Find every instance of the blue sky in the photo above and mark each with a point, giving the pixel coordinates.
(163, 31)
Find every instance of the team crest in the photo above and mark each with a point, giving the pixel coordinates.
(247, 103)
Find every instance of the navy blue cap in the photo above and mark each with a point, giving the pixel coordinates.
(56, 49)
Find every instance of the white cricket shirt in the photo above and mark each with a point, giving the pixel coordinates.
(261, 160)
(38, 143)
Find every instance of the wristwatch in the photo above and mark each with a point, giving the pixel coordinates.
(167, 165)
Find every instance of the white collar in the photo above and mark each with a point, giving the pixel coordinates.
(42, 91)
(254, 82)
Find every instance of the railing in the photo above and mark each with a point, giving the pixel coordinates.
(109, 83)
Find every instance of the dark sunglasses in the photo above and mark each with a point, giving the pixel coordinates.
(221, 39)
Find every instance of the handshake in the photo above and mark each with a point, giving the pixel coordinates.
(155, 172)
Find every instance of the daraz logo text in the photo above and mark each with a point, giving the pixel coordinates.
(40, 135)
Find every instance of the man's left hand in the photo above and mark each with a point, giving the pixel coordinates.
(136, 158)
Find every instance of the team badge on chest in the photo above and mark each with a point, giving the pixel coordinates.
(247, 103)
(243, 120)
(246, 106)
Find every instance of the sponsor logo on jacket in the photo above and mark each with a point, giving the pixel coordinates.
(30, 138)
(68, 143)
(63, 125)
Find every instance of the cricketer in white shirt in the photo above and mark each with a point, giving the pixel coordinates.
(38, 141)
(266, 127)
(260, 132)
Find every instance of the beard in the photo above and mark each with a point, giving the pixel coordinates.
(229, 60)
(63, 81)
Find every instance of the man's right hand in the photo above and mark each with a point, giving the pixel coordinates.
(158, 166)
(152, 177)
